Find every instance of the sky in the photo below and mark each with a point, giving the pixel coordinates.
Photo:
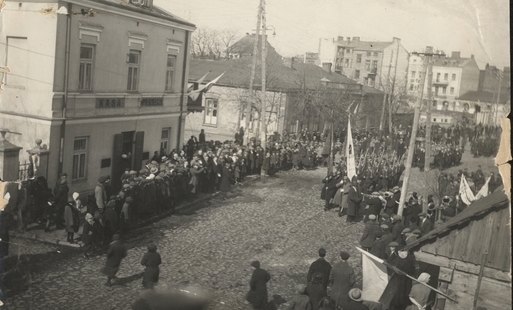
(478, 27)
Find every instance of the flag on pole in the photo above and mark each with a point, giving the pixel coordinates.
(375, 277)
(466, 194)
(191, 88)
(351, 167)
(196, 93)
(483, 192)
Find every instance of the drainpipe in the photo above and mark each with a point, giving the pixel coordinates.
(66, 87)
(182, 97)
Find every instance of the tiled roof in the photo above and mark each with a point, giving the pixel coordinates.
(483, 96)
(365, 45)
(450, 62)
(154, 11)
(280, 77)
(495, 201)
(245, 46)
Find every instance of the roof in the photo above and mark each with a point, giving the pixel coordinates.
(483, 96)
(458, 62)
(245, 46)
(279, 78)
(475, 212)
(153, 11)
(365, 45)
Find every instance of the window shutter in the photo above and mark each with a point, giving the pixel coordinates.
(117, 167)
(138, 152)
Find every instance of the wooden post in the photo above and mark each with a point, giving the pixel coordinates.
(427, 158)
(263, 102)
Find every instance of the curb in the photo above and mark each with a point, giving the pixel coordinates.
(80, 244)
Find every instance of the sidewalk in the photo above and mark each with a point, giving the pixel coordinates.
(36, 231)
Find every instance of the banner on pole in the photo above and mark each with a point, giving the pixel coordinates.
(351, 166)
(466, 194)
(483, 192)
(375, 277)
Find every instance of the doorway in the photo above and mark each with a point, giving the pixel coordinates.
(128, 149)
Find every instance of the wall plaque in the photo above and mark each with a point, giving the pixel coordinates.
(105, 163)
(152, 102)
(109, 103)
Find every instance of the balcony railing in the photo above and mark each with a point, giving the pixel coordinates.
(440, 82)
(373, 71)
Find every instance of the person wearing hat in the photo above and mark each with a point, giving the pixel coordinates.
(396, 293)
(425, 224)
(117, 251)
(413, 219)
(300, 301)
(151, 260)
(397, 228)
(353, 201)
(342, 280)
(404, 234)
(391, 249)
(379, 246)
(88, 234)
(62, 176)
(124, 219)
(355, 300)
(100, 193)
(367, 239)
(320, 266)
(110, 220)
(411, 236)
(71, 221)
(156, 157)
(61, 200)
(257, 294)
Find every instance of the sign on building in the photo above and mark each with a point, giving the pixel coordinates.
(110, 103)
(152, 102)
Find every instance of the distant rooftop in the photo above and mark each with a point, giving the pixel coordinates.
(483, 96)
(357, 44)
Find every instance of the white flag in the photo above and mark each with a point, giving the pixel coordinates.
(374, 276)
(483, 192)
(466, 194)
(351, 166)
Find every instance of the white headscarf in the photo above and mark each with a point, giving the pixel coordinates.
(424, 277)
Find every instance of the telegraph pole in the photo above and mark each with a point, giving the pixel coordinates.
(429, 59)
(382, 121)
(498, 99)
(249, 105)
(263, 100)
(411, 147)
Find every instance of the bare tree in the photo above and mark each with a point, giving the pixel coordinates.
(213, 44)
(227, 37)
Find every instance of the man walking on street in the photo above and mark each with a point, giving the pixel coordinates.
(320, 266)
(117, 251)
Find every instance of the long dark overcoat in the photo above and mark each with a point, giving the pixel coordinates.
(117, 251)
(353, 201)
(151, 260)
(224, 184)
(257, 294)
(340, 276)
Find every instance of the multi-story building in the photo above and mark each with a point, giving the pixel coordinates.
(492, 78)
(101, 80)
(372, 63)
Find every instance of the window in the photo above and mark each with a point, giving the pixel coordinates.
(170, 72)
(368, 53)
(446, 76)
(411, 87)
(434, 119)
(438, 77)
(413, 74)
(374, 64)
(211, 106)
(133, 69)
(356, 74)
(375, 53)
(435, 103)
(358, 58)
(85, 75)
(79, 158)
(367, 65)
(346, 63)
(452, 90)
(444, 90)
(454, 77)
(164, 140)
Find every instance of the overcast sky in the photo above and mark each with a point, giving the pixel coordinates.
(479, 27)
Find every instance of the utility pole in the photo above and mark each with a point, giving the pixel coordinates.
(411, 147)
(498, 98)
(382, 121)
(429, 59)
(263, 100)
(393, 88)
(249, 105)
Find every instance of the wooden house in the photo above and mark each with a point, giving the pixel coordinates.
(471, 256)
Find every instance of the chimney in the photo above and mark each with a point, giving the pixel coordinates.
(348, 39)
(455, 55)
(326, 66)
(356, 39)
(289, 62)
(340, 38)
(429, 49)
(397, 40)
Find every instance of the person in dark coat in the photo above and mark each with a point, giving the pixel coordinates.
(61, 199)
(320, 266)
(353, 201)
(342, 279)
(397, 228)
(379, 246)
(425, 224)
(88, 235)
(396, 293)
(69, 222)
(315, 290)
(257, 294)
(367, 239)
(151, 260)
(201, 136)
(110, 220)
(374, 206)
(117, 251)
(225, 179)
(356, 301)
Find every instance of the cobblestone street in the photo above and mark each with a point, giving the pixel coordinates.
(277, 220)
